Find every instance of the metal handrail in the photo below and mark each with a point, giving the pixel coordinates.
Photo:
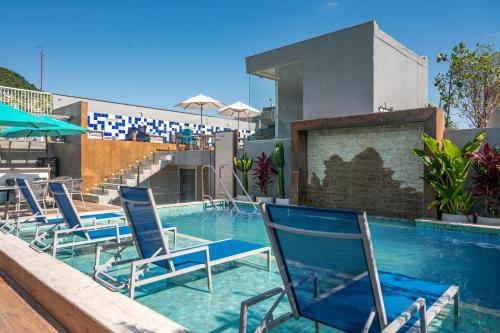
(221, 183)
(239, 182)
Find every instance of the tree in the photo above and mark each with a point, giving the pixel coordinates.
(9, 78)
(471, 84)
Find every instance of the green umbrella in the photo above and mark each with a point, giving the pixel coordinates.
(10, 116)
(55, 128)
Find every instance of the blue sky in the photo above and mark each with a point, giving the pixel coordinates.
(158, 53)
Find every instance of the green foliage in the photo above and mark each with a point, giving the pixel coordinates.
(12, 79)
(447, 170)
(471, 84)
(278, 156)
(244, 164)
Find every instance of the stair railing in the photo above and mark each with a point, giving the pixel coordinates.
(222, 166)
(208, 196)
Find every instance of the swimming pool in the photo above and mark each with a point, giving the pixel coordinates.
(450, 256)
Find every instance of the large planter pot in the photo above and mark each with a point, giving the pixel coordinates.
(488, 221)
(265, 199)
(282, 201)
(457, 218)
(242, 197)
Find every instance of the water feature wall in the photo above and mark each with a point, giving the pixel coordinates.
(364, 162)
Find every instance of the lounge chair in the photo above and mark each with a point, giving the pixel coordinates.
(327, 265)
(153, 248)
(75, 227)
(37, 215)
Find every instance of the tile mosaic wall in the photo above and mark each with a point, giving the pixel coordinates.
(117, 126)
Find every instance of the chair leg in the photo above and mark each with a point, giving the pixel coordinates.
(83, 201)
(316, 327)
(455, 306)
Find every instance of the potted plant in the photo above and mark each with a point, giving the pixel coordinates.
(278, 157)
(262, 175)
(447, 169)
(486, 183)
(244, 164)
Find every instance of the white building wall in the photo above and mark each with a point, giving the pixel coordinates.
(352, 71)
(400, 75)
(98, 106)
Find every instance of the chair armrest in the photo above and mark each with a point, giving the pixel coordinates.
(104, 226)
(396, 324)
(171, 255)
(263, 296)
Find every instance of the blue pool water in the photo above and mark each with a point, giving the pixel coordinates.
(470, 260)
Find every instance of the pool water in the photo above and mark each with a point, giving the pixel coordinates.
(470, 260)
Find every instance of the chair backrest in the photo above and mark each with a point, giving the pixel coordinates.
(321, 252)
(66, 206)
(39, 189)
(30, 198)
(187, 135)
(140, 211)
(76, 185)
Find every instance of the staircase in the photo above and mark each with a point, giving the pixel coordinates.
(107, 191)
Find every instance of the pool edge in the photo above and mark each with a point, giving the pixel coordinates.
(73, 298)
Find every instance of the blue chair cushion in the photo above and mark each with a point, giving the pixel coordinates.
(111, 232)
(217, 250)
(346, 309)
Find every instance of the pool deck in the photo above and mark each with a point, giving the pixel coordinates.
(19, 313)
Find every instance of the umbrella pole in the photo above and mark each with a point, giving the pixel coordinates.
(47, 155)
(238, 121)
(201, 114)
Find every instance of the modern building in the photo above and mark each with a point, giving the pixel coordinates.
(353, 71)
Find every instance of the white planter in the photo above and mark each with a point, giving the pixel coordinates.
(242, 197)
(488, 220)
(265, 199)
(280, 201)
(457, 218)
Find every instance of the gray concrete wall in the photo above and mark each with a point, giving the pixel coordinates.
(400, 75)
(148, 112)
(351, 72)
(462, 136)
(69, 154)
(254, 149)
(338, 70)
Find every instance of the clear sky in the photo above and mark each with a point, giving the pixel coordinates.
(158, 53)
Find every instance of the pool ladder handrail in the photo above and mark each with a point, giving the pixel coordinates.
(228, 195)
(239, 182)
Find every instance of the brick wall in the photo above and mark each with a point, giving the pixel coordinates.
(364, 162)
(366, 168)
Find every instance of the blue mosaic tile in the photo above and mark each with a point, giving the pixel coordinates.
(119, 129)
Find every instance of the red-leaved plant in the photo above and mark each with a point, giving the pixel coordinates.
(486, 181)
(263, 173)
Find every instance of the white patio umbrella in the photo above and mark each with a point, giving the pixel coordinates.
(238, 108)
(201, 102)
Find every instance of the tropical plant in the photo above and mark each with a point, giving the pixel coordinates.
(244, 164)
(263, 173)
(486, 180)
(278, 157)
(447, 170)
(471, 84)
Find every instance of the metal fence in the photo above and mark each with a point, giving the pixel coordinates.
(27, 100)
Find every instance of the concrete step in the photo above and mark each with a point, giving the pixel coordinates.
(98, 191)
(109, 186)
